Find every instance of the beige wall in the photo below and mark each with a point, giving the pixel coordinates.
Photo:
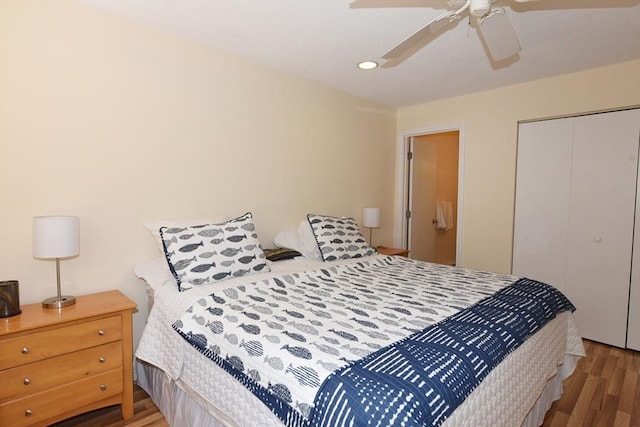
(490, 121)
(118, 123)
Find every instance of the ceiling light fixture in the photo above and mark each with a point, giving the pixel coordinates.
(368, 65)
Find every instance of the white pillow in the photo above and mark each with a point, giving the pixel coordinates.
(308, 241)
(154, 226)
(155, 272)
(300, 239)
(288, 239)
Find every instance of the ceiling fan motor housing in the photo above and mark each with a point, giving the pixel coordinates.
(480, 7)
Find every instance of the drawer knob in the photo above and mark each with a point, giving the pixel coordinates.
(25, 350)
(103, 387)
(101, 359)
(26, 381)
(101, 332)
(28, 413)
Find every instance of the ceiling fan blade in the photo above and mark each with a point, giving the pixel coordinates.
(500, 39)
(424, 35)
(366, 4)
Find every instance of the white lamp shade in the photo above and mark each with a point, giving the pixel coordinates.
(56, 236)
(371, 217)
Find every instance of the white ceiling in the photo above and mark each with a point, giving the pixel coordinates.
(323, 40)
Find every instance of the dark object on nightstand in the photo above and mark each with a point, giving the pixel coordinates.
(9, 298)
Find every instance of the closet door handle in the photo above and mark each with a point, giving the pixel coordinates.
(597, 239)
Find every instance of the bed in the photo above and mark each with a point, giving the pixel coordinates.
(343, 336)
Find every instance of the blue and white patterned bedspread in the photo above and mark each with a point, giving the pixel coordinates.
(285, 336)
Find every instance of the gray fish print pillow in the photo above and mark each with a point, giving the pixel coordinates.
(338, 237)
(202, 254)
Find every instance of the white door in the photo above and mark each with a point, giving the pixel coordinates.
(542, 201)
(601, 217)
(574, 214)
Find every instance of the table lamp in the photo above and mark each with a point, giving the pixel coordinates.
(56, 237)
(371, 220)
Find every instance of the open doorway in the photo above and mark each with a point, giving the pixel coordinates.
(434, 199)
(430, 209)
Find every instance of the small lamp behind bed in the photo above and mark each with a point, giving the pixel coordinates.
(371, 220)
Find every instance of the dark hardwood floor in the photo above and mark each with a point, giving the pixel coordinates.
(603, 391)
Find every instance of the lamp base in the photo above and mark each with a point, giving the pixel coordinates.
(59, 302)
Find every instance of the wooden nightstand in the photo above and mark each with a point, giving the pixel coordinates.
(383, 250)
(58, 363)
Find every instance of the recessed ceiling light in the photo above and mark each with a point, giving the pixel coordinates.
(368, 65)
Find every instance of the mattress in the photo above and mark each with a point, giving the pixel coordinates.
(517, 392)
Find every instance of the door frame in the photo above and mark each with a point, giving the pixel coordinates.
(403, 183)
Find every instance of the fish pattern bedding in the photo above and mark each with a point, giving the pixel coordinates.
(295, 339)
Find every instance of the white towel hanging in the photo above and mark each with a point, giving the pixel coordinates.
(444, 215)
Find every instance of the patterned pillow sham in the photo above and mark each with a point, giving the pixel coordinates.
(338, 238)
(153, 227)
(202, 254)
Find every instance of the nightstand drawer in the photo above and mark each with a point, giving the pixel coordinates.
(46, 404)
(41, 345)
(38, 376)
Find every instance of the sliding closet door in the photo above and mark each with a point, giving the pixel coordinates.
(542, 200)
(601, 221)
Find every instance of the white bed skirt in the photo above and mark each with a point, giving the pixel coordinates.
(517, 392)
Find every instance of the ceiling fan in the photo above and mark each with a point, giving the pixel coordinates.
(492, 23)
